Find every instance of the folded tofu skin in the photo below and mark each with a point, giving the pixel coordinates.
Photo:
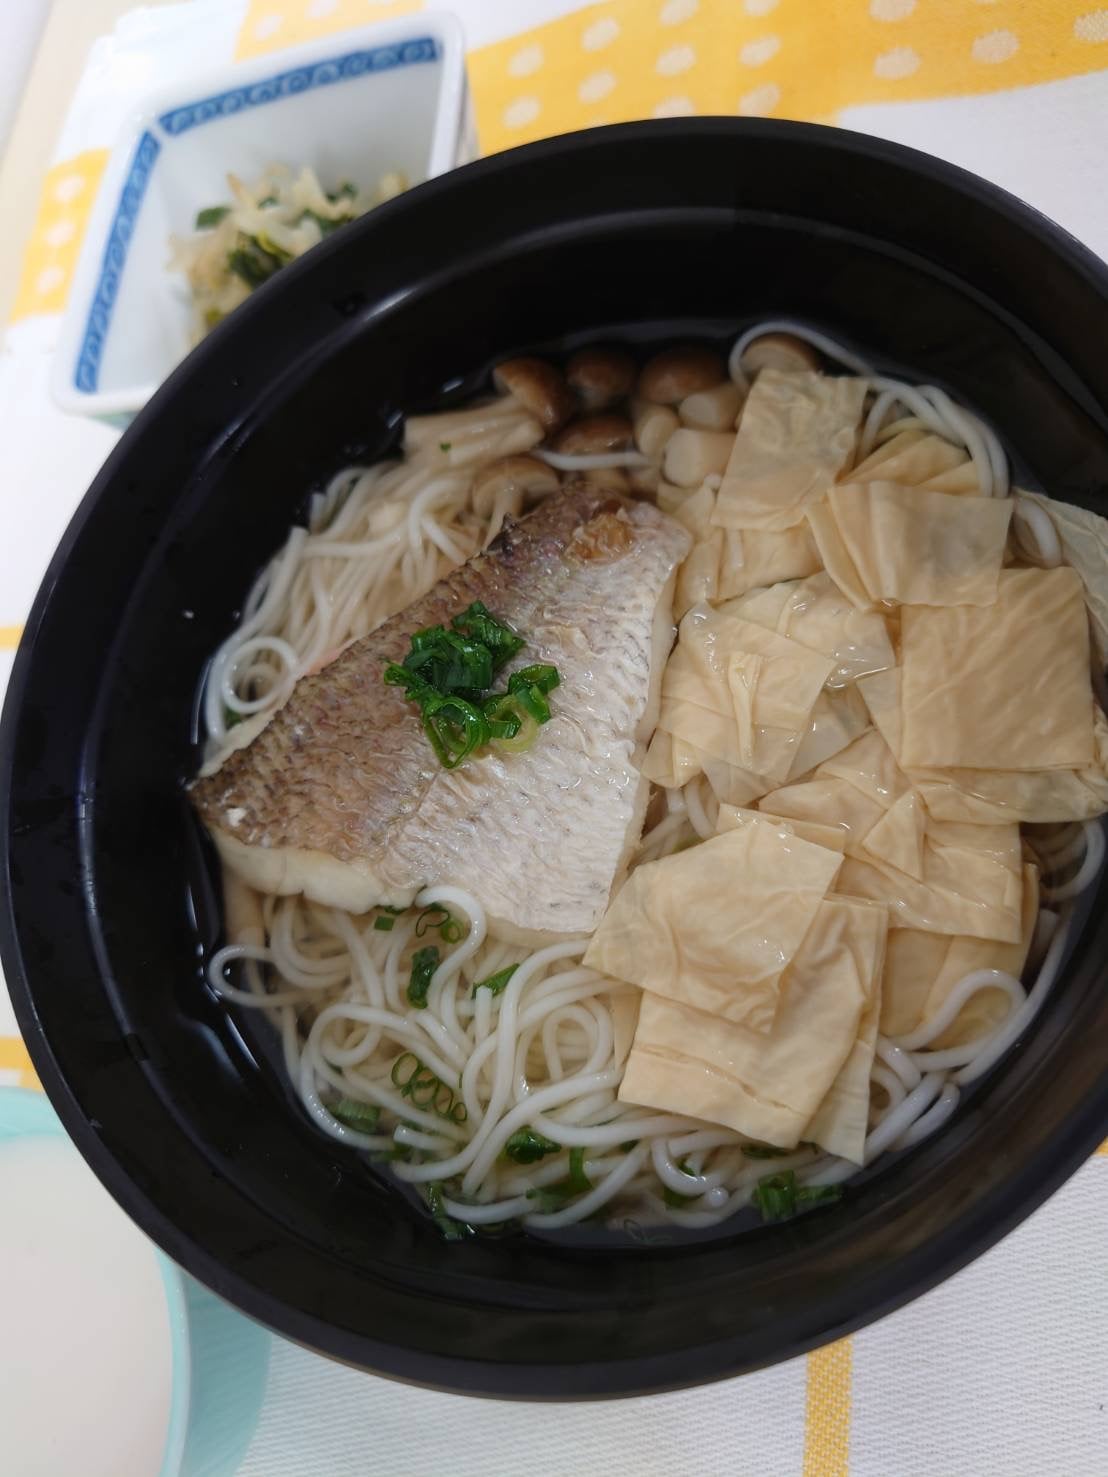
(665, 787)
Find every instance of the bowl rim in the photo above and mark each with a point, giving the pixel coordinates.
(134, 153)
(967, 1235)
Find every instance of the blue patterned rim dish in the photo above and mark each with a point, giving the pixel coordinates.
(345, 68)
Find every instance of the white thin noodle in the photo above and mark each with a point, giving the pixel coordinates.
(539, 1054)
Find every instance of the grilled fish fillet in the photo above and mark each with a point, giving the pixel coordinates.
(341, 798)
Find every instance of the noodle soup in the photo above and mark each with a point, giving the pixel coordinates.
(816, 873)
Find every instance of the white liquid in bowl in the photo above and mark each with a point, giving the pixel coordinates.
(85, 1361)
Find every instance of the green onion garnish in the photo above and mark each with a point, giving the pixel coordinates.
(444, 445)
(362, 1116)
(422, 1088)
(384, 924)
(448, 674)
(526, 1146)
(778, 1196)
(450, 1229)
(763, 1151)
(210, 216)
(424, 963)
(436, 916)
(577, 1180)
(496, 983)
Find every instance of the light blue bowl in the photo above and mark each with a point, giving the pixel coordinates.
(220, 1358)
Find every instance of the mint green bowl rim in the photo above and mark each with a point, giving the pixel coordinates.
(25, 1113)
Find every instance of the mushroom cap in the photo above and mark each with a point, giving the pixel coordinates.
(522, 475)
(593, 434)
(600, 377)
(778, 351)
(669, 377)
(539, 387)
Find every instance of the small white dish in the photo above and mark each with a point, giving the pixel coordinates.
(356, 106)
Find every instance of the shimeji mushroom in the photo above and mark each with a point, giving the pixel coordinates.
(673, 375)
(539, 388)
(593, 435)
(693, 455)
(716, 409)
(778, 351)
(513, 482)
(653, 426)
(600, 377)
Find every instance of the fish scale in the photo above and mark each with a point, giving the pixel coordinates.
(341, 798)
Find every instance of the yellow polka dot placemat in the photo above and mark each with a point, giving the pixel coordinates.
(1004, 1369)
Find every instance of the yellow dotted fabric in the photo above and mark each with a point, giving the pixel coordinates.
(827, 1411)
(804, 59)
(625, 59)
(51, 255)
(271, 24)
(15, 1064)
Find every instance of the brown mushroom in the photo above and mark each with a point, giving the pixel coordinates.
(778, 351)
(512, 477)
(600, 377)
(672, 375)
(594, 435)
(653, 426)
(538, 387)
(716, 409)
(693, 455)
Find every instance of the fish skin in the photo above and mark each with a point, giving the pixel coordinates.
(341, 797)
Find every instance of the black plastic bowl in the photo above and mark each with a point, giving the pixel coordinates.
(638, 231)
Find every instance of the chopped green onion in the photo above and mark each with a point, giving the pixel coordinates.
(444, 445)
(398, 1064)
(448, 672)
(450, 1229)
(818, 1194)
(501, 640)
(533, 701)
(362, 1116)
(384, 924)
(496, 983)
(424, 964)
(763, 1151)
(778, 1196)
(436, 916)
(775, 1196)
(577, 1180)
(526, 1146)
(541, 675)
(210, 216)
